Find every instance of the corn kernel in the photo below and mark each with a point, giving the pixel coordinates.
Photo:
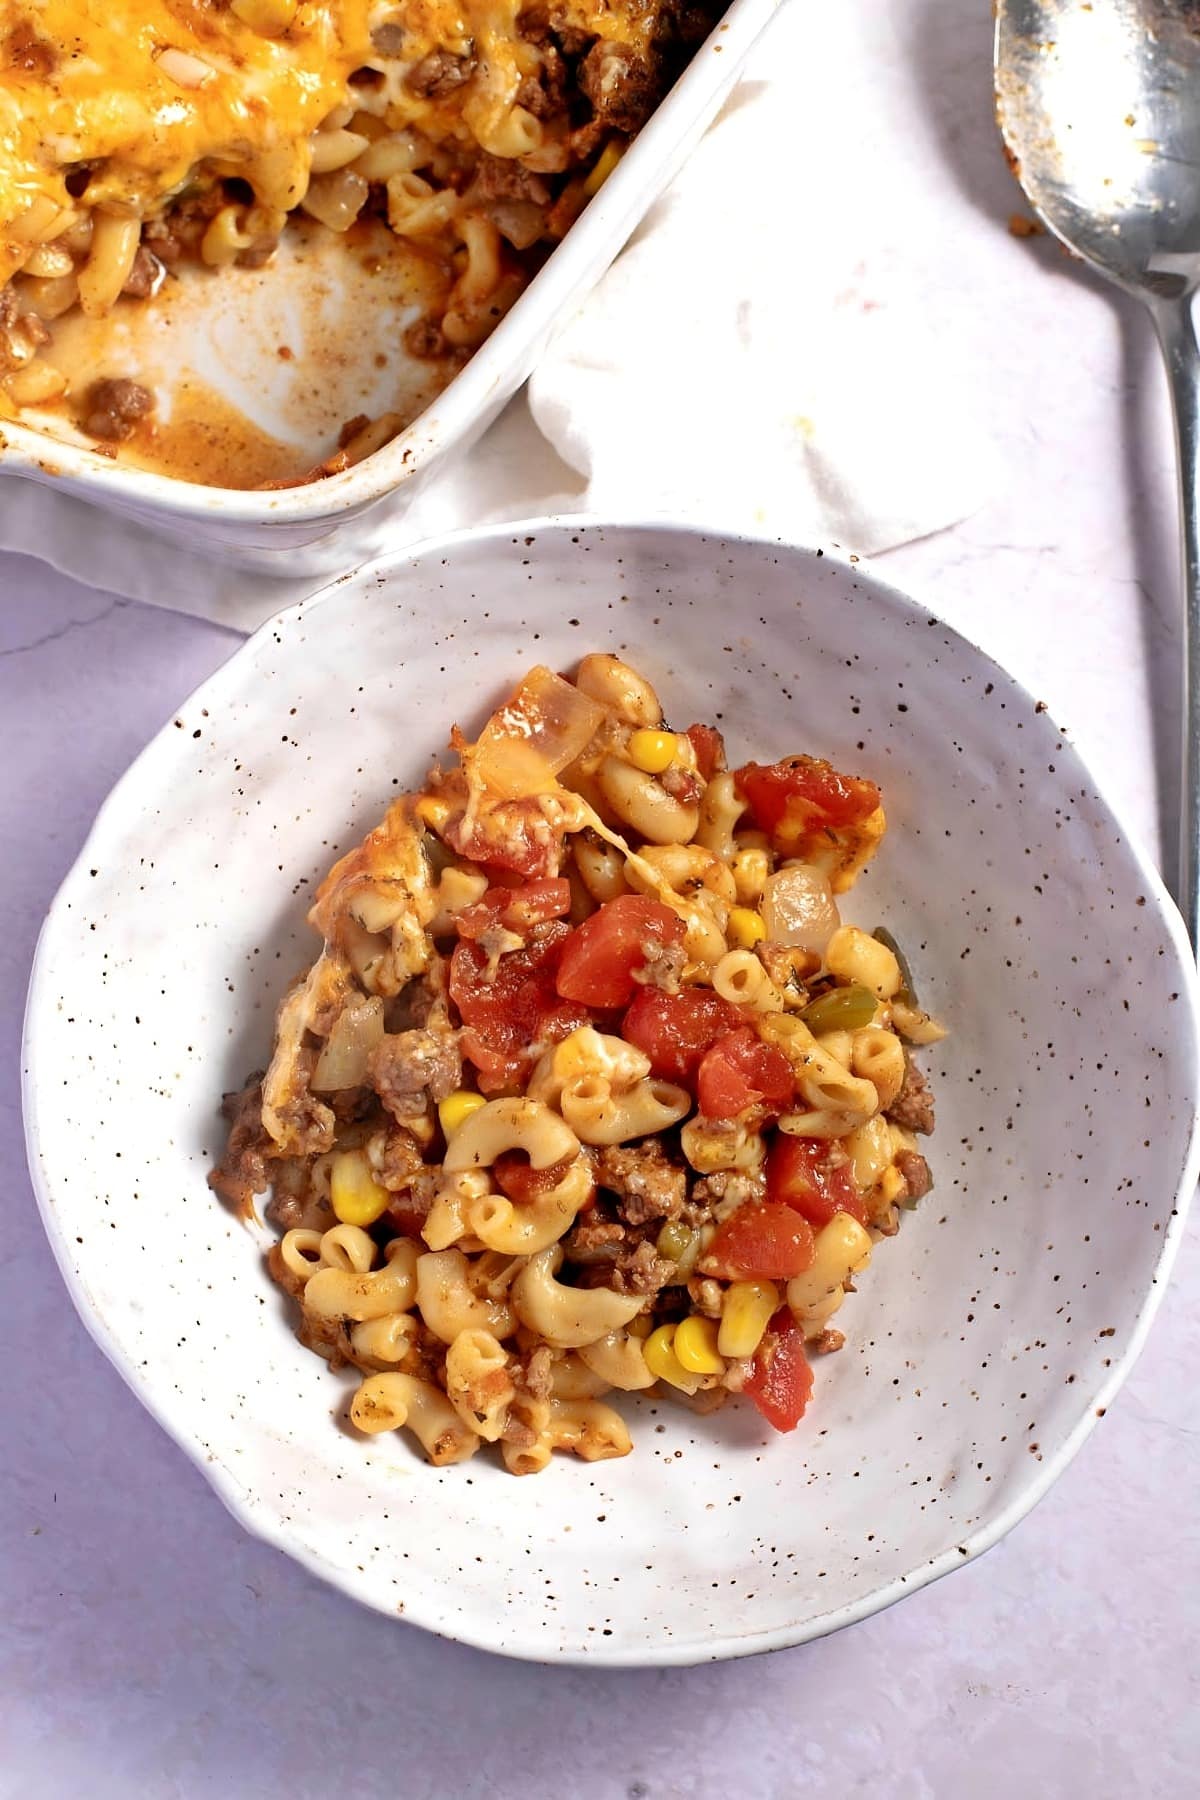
(457, 1108)
(270, 18)
(750, 867)
(652, 751)
(696, 1345)
(745, 928)
(639, 1325)
(603, 167)
(358, 1199)
(745, 1316)
(662, 1362)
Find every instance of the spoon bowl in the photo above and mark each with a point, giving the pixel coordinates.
(1099, 105)
(1100, 109)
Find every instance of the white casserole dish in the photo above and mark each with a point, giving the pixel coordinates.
(332, 524)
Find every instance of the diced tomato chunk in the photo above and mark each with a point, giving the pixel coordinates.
(802, 795)
(814, 1177)
(762, 1241)
(675, 1030)
(741, 1071)
(512, 1012)
(709, 746)
(517, 909)
(603, 955)
(515, 1176)
(781, 1380)
(406, 1215)
(508, 834)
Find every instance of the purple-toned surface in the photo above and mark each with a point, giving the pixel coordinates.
(149, 1650)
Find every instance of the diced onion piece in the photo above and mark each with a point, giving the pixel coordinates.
(336, 200)
(545, 726)
(186, 70)
(799, 909)
(343, 1059)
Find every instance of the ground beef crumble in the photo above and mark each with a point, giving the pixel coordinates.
(113, 406)
(662, 966)
(241, 1172)
(738, 1187)
(641, 1270)
(607, 1253)
(500, 178)
(912, 1109)
(439, 73)
(408, 1063)
(682, 784)
(622, 86)
(594, 1240)
(144, 275)
(536, 1373)
(401, 1161)
(647, 1184)
(915, 1170)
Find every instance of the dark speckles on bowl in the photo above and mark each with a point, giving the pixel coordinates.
(984, 1340)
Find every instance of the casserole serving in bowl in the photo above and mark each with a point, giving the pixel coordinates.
(251, 307)
(980, 1348)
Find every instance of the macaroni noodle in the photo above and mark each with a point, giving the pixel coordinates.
(560, 1112)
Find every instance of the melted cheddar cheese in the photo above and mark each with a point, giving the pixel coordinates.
(84, 83)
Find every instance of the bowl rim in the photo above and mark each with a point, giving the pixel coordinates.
(249, 1512)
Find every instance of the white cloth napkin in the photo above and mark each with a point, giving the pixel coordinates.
(762, 355)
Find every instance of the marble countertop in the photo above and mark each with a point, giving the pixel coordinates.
(149, 1648)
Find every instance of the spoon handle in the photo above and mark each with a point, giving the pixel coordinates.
(1177, 335)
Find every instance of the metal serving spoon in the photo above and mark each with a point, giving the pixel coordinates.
(1099, 103)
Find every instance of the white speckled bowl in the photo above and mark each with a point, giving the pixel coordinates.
(985, 1340)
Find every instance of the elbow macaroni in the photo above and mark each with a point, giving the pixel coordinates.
(393, 1402)
(855, 957)
(448, 1306)
(567, 1317)
(582, 1096)
(720, 811)
(599, 1114)
(740, 978)
(511, 1124)
(523, 1230)
(592, 1430)
(479, 1383)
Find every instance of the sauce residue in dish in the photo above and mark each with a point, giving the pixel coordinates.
(207, 440)
(256, 371)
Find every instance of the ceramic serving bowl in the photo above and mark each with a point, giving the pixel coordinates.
(985, 1339)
